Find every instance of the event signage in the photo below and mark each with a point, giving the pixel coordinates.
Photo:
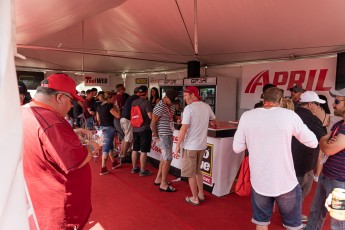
(141, 81)
(96, 80)
(206, 165)
(312, 74)
(200, 81)
(175, 82)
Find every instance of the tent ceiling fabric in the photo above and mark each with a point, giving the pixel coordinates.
(158, 35)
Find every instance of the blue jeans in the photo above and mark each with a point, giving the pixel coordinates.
(289, 205)
(89, 123)
(318, 211)
(108, 139)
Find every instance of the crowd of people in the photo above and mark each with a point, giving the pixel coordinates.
(58, 132)
(289, 148)
(59, 123)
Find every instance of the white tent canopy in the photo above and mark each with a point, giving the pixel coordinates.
(158, 35)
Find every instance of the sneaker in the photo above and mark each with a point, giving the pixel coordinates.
(104, 171)
(304, 218)
(145, 173)
(135, 170)
(115, 164)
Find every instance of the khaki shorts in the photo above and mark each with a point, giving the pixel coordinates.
(127, 130)
(191, 162)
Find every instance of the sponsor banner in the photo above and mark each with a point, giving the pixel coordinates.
(312, 74)
(141, 81)
(207, 180)
(177, 156)
(206, 165)
(156, 151)
(176, 82)
(200, 81)
(96, 80)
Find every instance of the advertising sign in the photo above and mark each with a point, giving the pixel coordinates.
(200, 81)
(175, 82)
(141, 81)
(206, 165)
(312, 74)
(96, 80)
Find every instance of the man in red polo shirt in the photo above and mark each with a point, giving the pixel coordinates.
(56, 169)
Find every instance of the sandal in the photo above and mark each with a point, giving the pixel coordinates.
(168, 189)
(187, 199)
(160, 183)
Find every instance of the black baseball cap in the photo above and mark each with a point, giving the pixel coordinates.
(142, 89)
(173, 96)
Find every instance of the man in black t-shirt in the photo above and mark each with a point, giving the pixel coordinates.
(305, 158)
(142, 136)
(125, 123)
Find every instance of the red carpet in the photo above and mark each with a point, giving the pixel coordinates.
(122, 200)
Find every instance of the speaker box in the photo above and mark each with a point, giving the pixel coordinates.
(30, 79)
(193, 69)
(340, 74)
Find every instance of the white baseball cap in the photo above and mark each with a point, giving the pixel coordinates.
(311, 96)
(335, 93)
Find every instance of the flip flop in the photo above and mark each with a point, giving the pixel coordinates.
(202, 200)
(169, 189)
(190, 202)
(157, 184)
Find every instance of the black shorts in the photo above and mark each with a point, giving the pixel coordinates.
(142, 141)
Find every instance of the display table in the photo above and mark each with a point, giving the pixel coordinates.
(220, 164)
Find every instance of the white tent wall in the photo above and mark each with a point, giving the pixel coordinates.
(13, 209)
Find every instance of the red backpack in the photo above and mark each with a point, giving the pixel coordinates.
(243, 186)
(136, 116)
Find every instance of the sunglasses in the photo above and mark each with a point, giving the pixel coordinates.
(71, 98)
(337, 101)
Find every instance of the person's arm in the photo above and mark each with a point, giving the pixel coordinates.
(181, 136)
(149, 114)
(80, 131)
(98, 119)
(303, 133)
(90, 111)
(154, 123)
(239, 143)
(331, 146)
(115, 112)
(213, 123)
(92, 147)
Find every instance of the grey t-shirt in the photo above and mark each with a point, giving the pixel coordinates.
(145, 107)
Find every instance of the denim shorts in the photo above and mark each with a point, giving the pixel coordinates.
(289, 205)
(89, 123)
(166, 144)
(108, 141)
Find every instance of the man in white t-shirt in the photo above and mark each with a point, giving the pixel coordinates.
(267, 133)
(193, 134)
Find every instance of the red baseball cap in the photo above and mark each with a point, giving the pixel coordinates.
(193, 90)
(64, 83)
